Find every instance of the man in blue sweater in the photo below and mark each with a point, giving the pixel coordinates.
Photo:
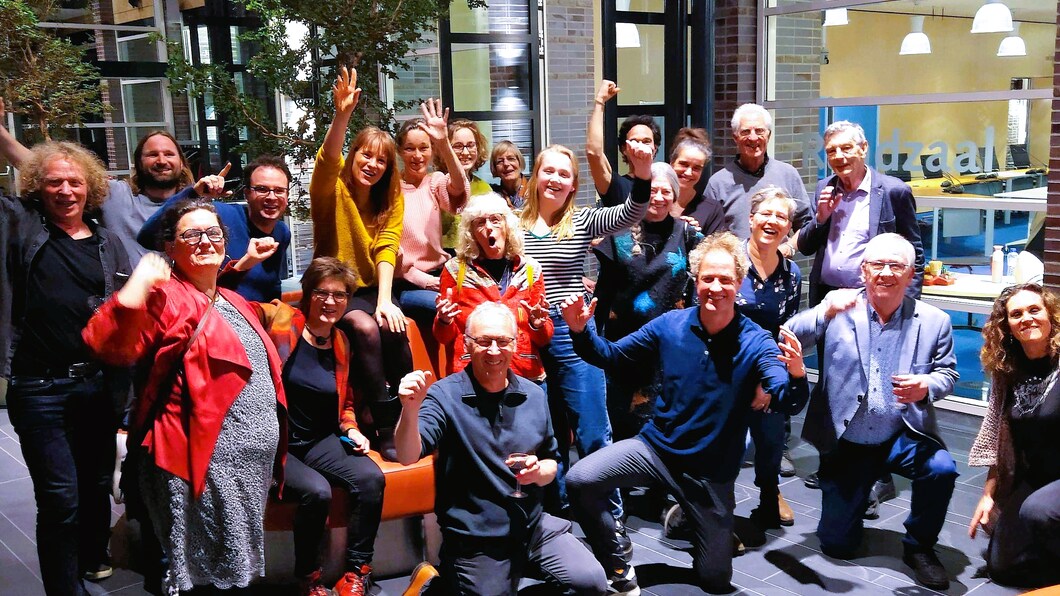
(712, 359)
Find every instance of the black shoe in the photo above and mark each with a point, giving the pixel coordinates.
(812, 481)
(883, 491)
(625, 545)
(99, 572)
(384, 419)
(623, 582)
(928, 569)
(738, 549)
(872, 510)
(766, 518)
(674, 524)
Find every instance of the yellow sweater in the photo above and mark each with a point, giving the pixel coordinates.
(343, 228)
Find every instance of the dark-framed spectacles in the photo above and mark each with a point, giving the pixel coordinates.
(469, 147)
(323, 295)
(265, 190)
(193, 236)
(487, 342)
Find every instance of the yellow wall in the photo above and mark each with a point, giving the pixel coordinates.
(126, 13)
(864, 61)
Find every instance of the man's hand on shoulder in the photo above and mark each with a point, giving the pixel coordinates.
(840, 300)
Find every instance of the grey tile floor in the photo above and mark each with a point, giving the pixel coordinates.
(789, 562)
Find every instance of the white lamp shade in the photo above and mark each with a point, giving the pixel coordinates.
(1013, 45)
(835, 16)
(916, 42)
(627, 35)
(992, 17)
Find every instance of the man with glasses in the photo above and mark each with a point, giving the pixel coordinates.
(496, 452)
(268, 183)
(712, 359)
(886, 358)
(852, 206)
(753, 170)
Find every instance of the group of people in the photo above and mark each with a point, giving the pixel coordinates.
(150, 310)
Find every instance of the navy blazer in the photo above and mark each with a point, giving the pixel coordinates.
(891, 209)
(927, 348)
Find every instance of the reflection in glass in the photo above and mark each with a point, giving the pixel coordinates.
(640, 72)
(142, 101)
(501, 16)
(505, 66)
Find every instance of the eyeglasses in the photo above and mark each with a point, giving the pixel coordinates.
(877, 267)
(494, 220)
(193, 236)
(323, 295)
(460, 148)
(487, 342)
(743, 133)
(765, 215)
(265, 190)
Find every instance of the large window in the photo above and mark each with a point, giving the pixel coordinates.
(963, 117)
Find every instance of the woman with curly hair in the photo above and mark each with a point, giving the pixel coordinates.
(58, 266)
(1020, 506)
(358, 209)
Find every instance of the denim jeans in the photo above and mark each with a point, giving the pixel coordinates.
(418, 305)
(66, 428)
(577, 389)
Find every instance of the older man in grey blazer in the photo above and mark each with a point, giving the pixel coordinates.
(887, 358)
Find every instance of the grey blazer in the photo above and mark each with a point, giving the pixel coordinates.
(927, 347)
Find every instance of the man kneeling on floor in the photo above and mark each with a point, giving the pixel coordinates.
(712, 359)
(887, 358)
(496, 451)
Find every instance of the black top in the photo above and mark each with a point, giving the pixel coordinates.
(1034, 420)
(706, 211)
(474, 432)
(312, 396)
(63, 289)
(499, 269)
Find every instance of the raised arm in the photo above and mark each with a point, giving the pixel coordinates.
(435, 124)
(633, 350)
(121, 331)
(599, 167)
(407, 440)
(346, 94)
(14, 152)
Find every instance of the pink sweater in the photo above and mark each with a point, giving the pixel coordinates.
(421, 239)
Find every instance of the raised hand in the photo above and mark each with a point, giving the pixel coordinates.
(640, 158)
(150, 272)
(576, 313)
(537, 312)
(840, 300)
(826, 203)
(213, 186)
(435, 120)
(608, 89)
(345, 92)
(791, 353)
(445, 309)
(413, 388)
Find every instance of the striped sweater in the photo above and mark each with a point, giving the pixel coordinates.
(562, 261)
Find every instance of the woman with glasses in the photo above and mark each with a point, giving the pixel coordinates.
(558, 236)
(490, 266)
(507, 164)
(428, 195)
(209, 425)
(472, 151)
(1020, 506)
(357, 210)
(643, 274)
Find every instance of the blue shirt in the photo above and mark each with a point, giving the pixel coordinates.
(474, 432)
(878, 418)
(262, 282)
(708, 383)
(770, 302)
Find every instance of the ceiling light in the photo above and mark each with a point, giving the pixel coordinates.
(835, 16)
(916, 42)
(1013, 45)
(992, 17)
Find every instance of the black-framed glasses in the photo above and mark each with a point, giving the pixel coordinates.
(487, 342)
(193, 236)
(323, 295)
(878, 266)
(264, 191)
(461, 147)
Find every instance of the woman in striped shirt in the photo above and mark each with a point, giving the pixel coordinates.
(558, 237)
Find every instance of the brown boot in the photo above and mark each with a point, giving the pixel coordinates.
(421, 578)
(787, 516)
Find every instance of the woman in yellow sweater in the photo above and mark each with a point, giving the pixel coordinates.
(357, 210)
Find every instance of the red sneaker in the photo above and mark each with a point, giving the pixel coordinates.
(310, 585)
(354, 583)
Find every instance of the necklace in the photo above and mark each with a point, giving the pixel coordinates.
(319, 340)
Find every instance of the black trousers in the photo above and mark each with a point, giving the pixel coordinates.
(1025, 545)
(309, 473)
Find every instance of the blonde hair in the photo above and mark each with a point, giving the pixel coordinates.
(724, 242)
(31, 176)
(480, 207)
(563, 228)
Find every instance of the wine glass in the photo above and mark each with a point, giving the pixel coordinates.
(517, 463)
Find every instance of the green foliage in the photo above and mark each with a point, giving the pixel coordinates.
(372, 36)
(43, 76)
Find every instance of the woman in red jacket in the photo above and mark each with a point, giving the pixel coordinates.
(211, 414)
(490, 267)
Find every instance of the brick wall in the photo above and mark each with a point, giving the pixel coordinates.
(735, 55)
(571, 75)
(1052, 220)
